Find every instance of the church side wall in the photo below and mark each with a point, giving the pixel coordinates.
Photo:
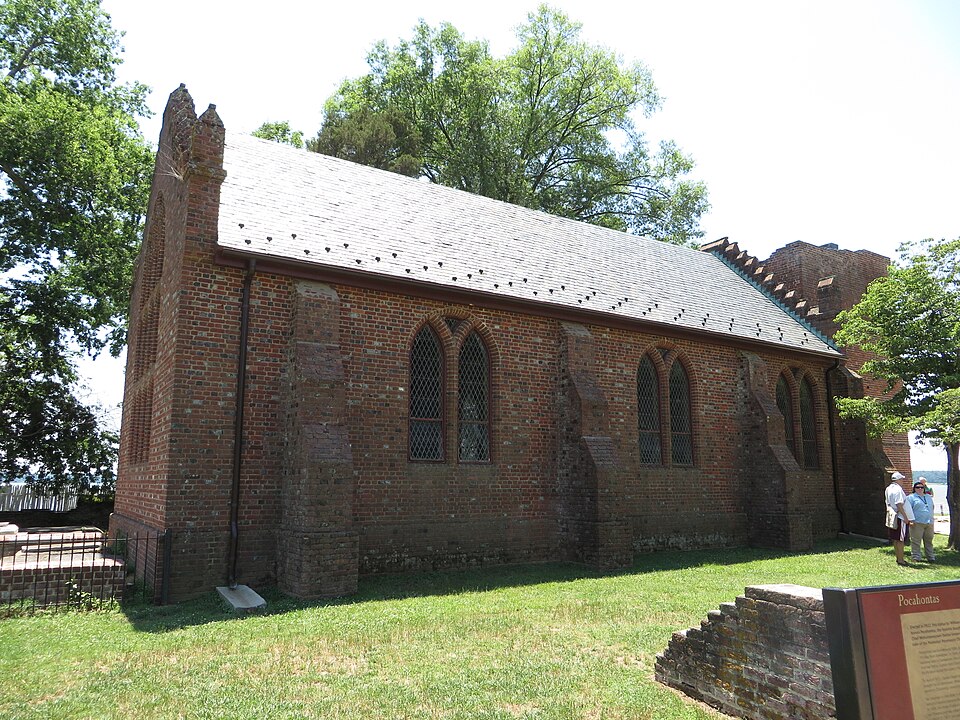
(417, 515)
(712, 503)
(414, 515)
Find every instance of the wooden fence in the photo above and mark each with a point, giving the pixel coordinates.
(15, 497)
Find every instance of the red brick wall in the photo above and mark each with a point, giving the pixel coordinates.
(40, 584)
(802, 266)
(418, 514)
(422, 514)
(174, 469)
(833, 280)
(591, 479)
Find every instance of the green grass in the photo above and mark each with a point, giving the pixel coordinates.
(536, 641)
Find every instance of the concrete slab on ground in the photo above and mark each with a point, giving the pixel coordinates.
(242, 599)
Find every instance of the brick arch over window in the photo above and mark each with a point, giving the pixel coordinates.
(665, 408)
(786, 390)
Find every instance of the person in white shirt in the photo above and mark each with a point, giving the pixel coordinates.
(898, 516)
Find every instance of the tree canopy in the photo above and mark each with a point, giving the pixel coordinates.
(550, 126)
(910, 322)
(75, 178)
(280, 132)
(386, 140)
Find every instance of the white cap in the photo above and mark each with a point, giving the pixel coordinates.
(897, 475)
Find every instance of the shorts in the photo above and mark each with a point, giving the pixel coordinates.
(901, 533)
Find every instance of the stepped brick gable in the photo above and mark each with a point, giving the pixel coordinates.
(335, 371)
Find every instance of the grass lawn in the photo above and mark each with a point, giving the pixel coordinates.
(535, 641)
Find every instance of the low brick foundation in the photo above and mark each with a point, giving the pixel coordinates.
(764, 657)
(39, 584)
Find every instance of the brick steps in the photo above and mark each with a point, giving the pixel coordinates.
(763, 657)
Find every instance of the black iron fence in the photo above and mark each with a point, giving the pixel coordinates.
(81, 568)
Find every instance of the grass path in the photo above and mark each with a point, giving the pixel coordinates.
(538, 641)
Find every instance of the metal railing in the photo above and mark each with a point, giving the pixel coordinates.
(81, 568)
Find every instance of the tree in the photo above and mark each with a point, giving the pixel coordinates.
(384, 140)
(75, 180)
(550, 126)
(910, 322)
(279, 132)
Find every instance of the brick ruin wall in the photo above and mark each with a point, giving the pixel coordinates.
(763, 657)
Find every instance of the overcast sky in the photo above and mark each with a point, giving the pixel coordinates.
(823, 120)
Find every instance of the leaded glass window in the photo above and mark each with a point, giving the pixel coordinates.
(808, 427)
(426, 397)
(785, 405)
(473, 400)
(680, 432)
(648, 412)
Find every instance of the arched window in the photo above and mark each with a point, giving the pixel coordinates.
(681, 436)
(785, 406)
(426, 397)
(648, 412)
(473, 411)
(808, 427)
(654, 420)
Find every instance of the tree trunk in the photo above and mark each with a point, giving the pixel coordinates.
(953, 494)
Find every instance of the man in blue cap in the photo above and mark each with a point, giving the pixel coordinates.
(898, 522)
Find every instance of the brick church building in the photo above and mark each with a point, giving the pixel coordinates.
(335, 371)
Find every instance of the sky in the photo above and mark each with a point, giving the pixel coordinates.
(828, 121)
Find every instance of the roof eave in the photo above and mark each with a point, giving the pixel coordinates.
(306, 270)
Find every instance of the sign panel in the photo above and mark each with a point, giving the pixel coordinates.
(895, 651)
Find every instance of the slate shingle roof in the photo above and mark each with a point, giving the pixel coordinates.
(284, 203)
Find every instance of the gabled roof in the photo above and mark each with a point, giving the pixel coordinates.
(291, 205)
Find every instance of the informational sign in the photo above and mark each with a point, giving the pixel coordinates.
(895, 651)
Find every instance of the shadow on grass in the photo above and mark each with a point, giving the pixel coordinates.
(210, 608)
